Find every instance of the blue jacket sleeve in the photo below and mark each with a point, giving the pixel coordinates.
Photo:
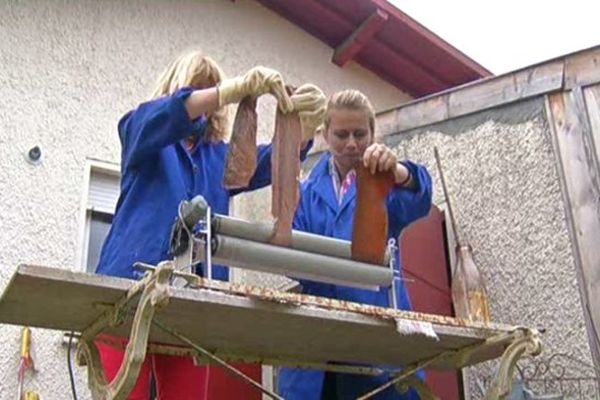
(262, 175)
(407, 205)
(155, 125)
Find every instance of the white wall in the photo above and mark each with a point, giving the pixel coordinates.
(68, 71)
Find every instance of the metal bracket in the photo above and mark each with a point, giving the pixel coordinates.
(392, 250)
(207, 231)
(527, 342)
(183, 241)
(153, 292)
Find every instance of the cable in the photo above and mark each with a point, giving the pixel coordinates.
(70, 366)
(426, 282)
(232, 370)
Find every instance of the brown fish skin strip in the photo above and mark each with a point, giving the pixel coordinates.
(285, 164)
(241, 158)
(369, 236)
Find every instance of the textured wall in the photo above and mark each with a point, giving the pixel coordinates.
(501, 175)
(69, 69)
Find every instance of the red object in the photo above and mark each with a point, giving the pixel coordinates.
(383, 39)
(370, 230)
(178, 377)
(425, 263)
(224, 386)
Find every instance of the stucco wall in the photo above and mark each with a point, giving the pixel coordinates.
(69, 69)
(502, 178)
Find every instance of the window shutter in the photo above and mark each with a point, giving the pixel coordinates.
(103, 191)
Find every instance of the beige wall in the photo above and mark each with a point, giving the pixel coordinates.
(69, 70)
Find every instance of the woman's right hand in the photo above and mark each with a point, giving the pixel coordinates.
(256, 82)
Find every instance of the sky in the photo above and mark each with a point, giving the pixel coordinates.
(507, 35)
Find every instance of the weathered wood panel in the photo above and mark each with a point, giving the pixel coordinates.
(592, 101)
(514, 86)
(579, 172)
(473, 97)
(582, 68)
(578, 69)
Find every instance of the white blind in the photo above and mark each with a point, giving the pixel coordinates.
(103, 191)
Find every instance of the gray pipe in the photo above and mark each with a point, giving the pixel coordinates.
(261, 232)
(298, 264)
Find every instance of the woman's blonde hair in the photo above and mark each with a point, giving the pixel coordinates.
(350, 99)
(199, 71)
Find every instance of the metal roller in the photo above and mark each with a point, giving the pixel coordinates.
(193, 211)
(261, 232)
(294, 263)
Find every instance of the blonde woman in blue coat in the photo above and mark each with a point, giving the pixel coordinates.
(173, 148)
(327, 206)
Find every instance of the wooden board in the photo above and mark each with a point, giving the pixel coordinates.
(592, 103)
(581, 68)
(473, 97)
(573, 143)
(230, 324)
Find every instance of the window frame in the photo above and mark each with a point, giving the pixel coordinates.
(86, 209)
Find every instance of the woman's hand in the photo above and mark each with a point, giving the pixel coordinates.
(379, 157)
(256, 82)
(310, 103)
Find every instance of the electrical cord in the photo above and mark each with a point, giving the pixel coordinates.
(70, 366)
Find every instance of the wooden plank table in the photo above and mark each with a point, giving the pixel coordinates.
(239, 322)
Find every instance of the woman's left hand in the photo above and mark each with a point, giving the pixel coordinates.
(310, 103)
(379, 157)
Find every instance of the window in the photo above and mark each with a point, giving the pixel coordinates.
(101, 192)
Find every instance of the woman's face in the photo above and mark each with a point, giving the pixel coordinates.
(348, 136)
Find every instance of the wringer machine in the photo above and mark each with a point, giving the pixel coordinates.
(221, 322)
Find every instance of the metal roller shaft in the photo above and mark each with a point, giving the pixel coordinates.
(293, 263)
(261, 232)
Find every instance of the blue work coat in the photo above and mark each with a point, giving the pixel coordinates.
(157, 173)
(319, 212)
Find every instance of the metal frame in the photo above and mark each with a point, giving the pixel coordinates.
(558, 376)
(561, 373)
